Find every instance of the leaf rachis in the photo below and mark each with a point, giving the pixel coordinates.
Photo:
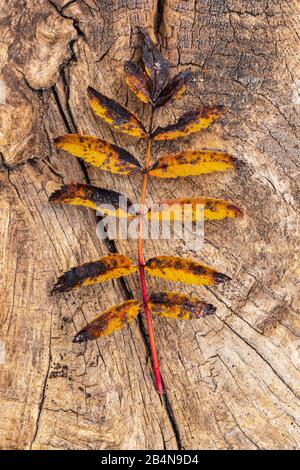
(143, 284)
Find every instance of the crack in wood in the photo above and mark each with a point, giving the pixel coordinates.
(159, 16)
(43, 395)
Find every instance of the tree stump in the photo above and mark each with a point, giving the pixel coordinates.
(232, 380)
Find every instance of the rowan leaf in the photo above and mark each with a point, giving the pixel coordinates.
(99, 153)
(174, 89)
(185, 270)
(108, 267)
(109, 321)
(191, 209)
(137, 81)
(178, 306)
(115, 114)
(192, 163)
(103, 200)
(189, 123)
(156, 67)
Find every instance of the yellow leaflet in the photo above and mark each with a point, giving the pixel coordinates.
(183, 270)
(113, 113)
(194, 209)
(189, 123)
(178, 306)
(118, 213)
(108, 267)
(192, 163)
(103, 200)
(99, 153)
(109, 321)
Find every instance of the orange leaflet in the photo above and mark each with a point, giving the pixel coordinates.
(178, 306)
(109, 321)
(192, 163)
(189, 123)
(183, 270)
(108, 267)
(115, 114)
(98, 152)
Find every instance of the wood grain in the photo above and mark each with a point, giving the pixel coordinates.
(232, 379)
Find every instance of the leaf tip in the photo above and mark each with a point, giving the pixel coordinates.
(219, 278)
(81, 336)
(221, 108)
(54, 198)
(58, 288)
(91, 91)
(238, 212)
(58, 141)
(59, 196)
(127, 65)
(209, 309)
(55, 289)
(239, 165)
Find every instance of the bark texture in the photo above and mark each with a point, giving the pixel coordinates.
(232, 380)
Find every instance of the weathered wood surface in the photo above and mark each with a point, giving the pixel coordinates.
(232, 380)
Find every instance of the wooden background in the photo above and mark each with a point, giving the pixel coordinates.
(232, 380)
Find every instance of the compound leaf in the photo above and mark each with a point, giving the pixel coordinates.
(178, 306)
(189, 123)
(194, 209)
(108, 267)
(106, 201)
(137, 81)
(156, 67)
(115, 114)
(192, 163)
(99, 153)
(174, 89)
(109, 321)
(183, 270)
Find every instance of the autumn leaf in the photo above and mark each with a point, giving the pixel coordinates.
(183, 270)
(106, 201)
(178, 306)
(156, 67)
(137, 81)
(189, 123)
(149, 81)
(115, 114)
(192, 163)
(109, 321)
(108, 267)
(194, 209)
(99, 153)
(174, 89)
